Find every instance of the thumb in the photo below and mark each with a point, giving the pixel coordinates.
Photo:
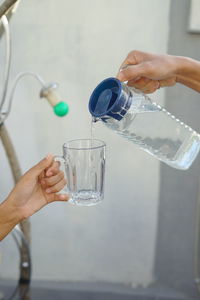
(131, 72)
(42, 165)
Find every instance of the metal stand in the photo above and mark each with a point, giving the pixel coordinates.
(21, 234)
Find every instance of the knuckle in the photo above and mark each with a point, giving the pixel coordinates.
(49, 181)
(132, 53)
(60, 177)
(56, 189)
(134, 56)
(62, 174)
(63, 182)
(131, 56)
(135, 52)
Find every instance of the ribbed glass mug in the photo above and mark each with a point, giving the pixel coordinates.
(84, 163)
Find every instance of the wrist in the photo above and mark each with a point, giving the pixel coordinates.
(179, 65)
(9, 214)
(188, 72)
(9, 218)
(184, 67)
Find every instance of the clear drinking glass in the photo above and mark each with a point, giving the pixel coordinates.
(84, 161)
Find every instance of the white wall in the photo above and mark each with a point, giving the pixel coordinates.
(79, 43)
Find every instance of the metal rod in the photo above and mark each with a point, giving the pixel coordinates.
(8, 60)
(16, 81)
(6, 6)
(25, 265)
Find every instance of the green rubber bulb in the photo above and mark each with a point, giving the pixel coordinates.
(61, 109)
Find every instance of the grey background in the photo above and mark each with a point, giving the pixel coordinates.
(174, 265)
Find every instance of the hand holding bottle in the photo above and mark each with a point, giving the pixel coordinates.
(148, 72)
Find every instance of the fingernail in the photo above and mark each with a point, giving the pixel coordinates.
(48, 191)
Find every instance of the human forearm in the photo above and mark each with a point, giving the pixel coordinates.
(38, 187)
(188, 72)
(9, 217)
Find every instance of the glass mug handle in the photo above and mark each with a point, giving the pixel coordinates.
(61, 160)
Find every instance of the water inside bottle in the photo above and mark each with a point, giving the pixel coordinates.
(159, 133)
(156, 131)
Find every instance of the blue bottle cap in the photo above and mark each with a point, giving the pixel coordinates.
(108, 99)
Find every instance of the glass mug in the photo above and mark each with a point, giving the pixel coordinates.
(84, 162)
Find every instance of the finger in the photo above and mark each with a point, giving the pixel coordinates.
(130, 60)
(150, 91)
(145, 84)
(59, 197)
(152, 85)
(132, 72)
(139, 83)
(42, 165)
(50, 181)
(167, 82)
(57, 187)
(134, 57)
(41, 176)
(53, 169)
(41, 179)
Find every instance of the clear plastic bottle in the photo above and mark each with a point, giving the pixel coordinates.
(133, 115)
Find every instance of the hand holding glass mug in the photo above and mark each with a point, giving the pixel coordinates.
(84, 164)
